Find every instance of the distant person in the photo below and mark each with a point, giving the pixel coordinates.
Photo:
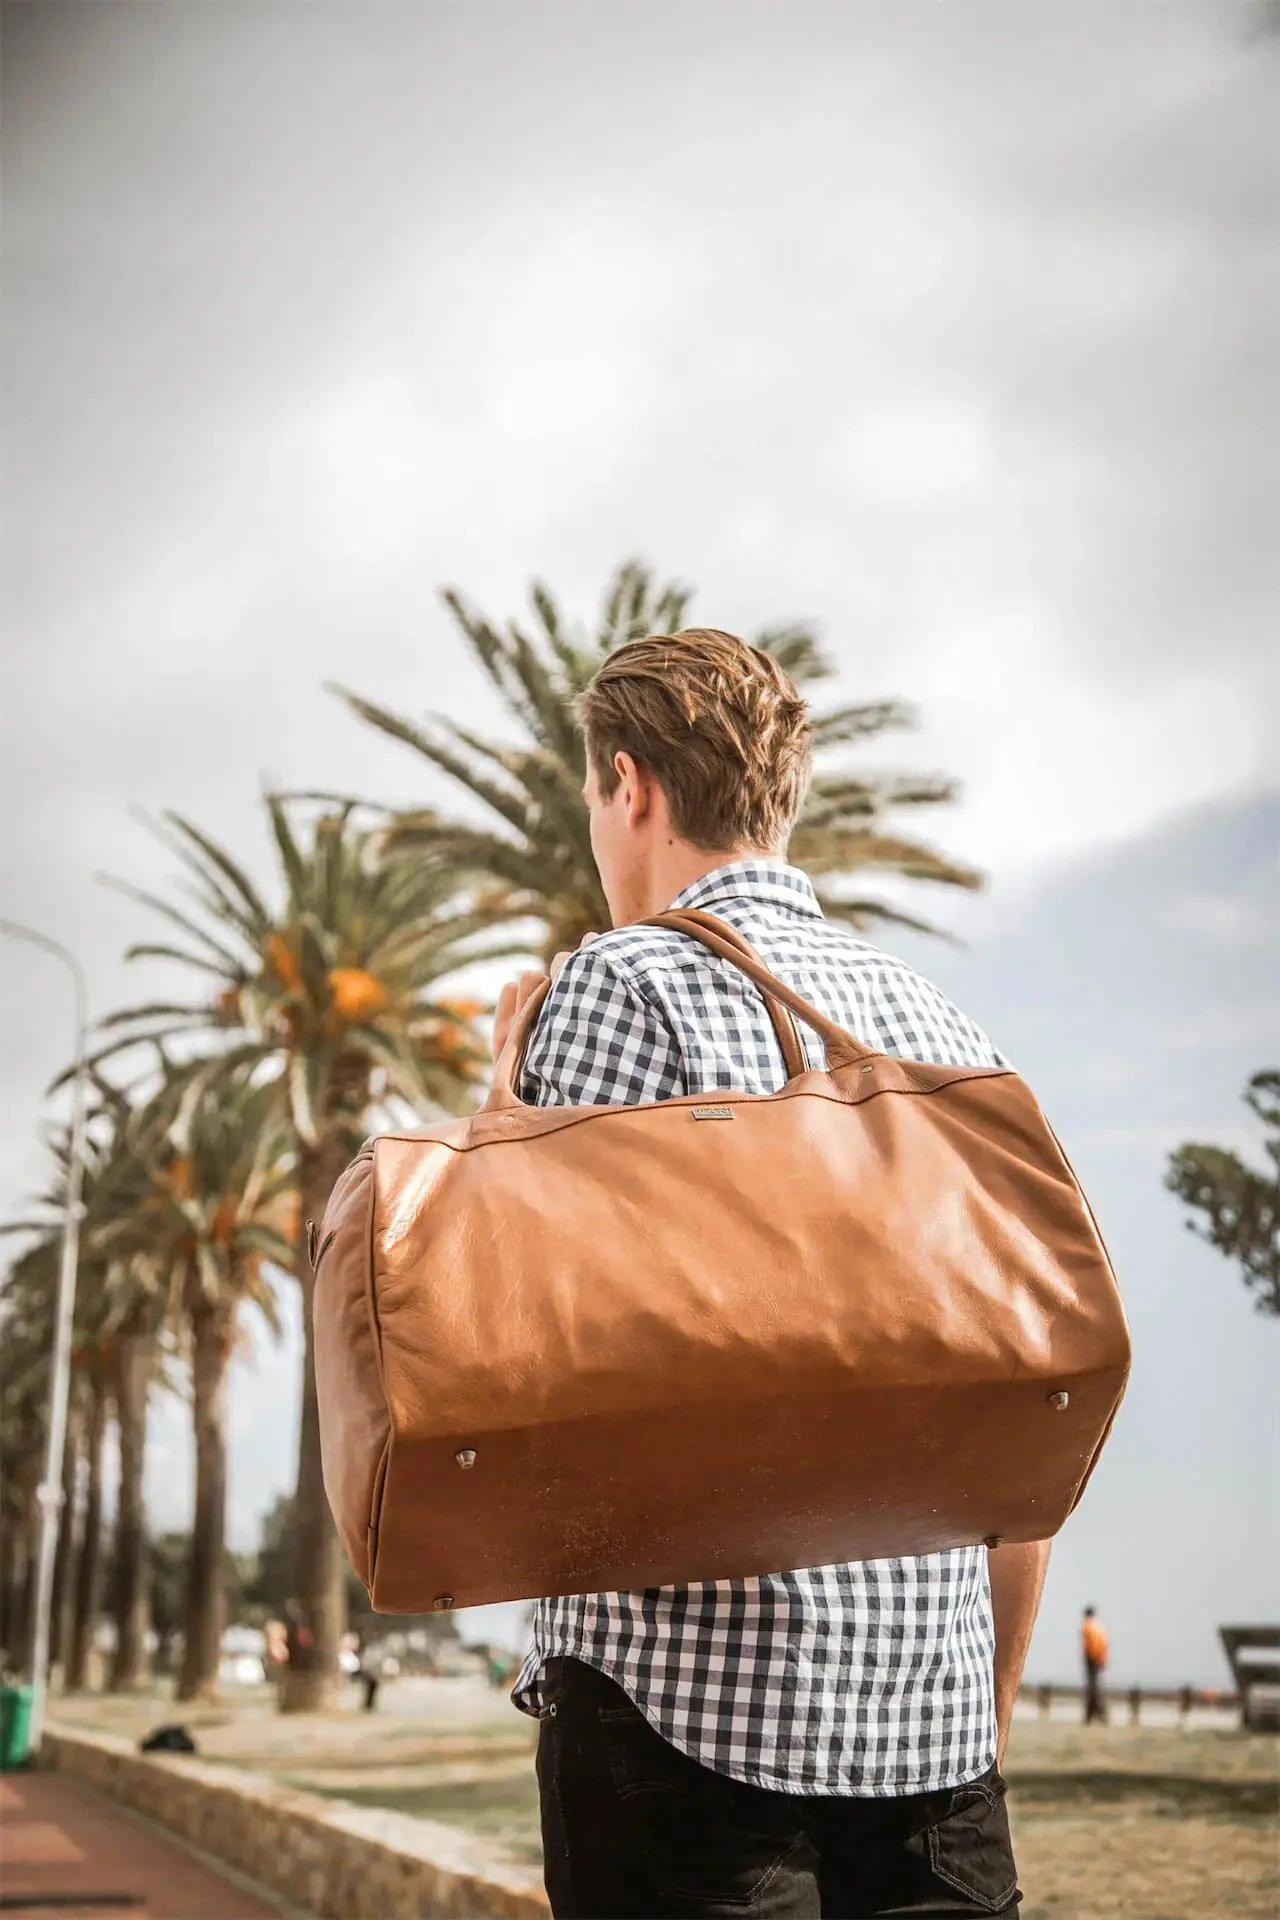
(369, 1678)
(1095, 1648)
(501, 1666)
(349, 1656)
(276, 1636)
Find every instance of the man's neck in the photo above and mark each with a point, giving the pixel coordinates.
(678, 864)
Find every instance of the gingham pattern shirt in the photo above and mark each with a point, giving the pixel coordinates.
(868, 1678)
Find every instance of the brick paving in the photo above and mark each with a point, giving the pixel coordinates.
(68, 1853)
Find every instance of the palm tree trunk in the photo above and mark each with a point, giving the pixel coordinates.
(65, 1553)
(9, 1551)
(310, 1681)
(15, 1599)
(88, 1588)
(212, 1332)
(133, 1370)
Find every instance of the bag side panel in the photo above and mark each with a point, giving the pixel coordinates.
(617, 1504)
(354, 1421)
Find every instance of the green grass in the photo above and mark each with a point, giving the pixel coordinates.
(504, 1811)
(1172, 1794)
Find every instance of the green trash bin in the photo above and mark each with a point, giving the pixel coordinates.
(15, 1727)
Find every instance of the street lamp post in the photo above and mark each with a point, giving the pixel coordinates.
(49, 1494)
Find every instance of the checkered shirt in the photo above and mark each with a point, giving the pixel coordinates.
(869, 1678)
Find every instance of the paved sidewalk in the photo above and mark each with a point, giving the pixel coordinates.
(73, 1855)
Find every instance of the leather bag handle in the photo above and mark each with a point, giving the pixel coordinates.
(722, 939)
(688, 920)
(505, 1091)
(726, 942)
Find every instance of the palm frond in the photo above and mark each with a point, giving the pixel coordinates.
(229, 868)
(151, 950)
(864, 721)
(494, 653)
(151, 1010)
(797, 651)
(191, 928)
(223, 889)
(295, 870)
(305, 1076)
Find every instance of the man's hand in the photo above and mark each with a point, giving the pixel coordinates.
(517, 993)
(513, 997)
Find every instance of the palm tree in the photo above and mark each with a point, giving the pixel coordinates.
(123, 1309)
(63, 1594)
(329, 994)
(222, 1205)
(132, 1369)
(119, 1320)
(185, 1200)
(87, 1600)
(27, 1336)
(533, 861)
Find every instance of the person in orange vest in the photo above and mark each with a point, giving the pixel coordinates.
(1095, 1647)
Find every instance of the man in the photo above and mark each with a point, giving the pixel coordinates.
(821, 1741)
(354, 1662)
(1095, 1648)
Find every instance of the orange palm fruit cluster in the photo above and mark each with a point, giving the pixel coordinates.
(356, 995)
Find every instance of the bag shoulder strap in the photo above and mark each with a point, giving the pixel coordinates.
(725, 941)
(689, 920)
(722, 939)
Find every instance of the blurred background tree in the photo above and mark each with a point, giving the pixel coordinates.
(1236, 1208)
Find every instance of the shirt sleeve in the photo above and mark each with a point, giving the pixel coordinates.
(599, 1043)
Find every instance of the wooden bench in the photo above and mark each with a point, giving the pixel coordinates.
(1257, 1678)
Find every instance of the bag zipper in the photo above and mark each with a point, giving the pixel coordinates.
(314, 1256)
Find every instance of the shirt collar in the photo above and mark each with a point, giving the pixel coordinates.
(773, 881)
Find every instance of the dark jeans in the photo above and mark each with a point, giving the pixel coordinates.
(634, 1829)
(1095, 1707)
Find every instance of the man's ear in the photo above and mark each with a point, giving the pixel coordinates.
(636, 783)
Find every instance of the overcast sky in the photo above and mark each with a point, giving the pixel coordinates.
(951, 329)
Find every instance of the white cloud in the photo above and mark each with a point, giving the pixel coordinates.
(1230, 920)
(1057, 759)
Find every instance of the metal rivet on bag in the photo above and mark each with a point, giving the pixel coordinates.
(1059, 1400)
(442, 1602)
(465, 1456)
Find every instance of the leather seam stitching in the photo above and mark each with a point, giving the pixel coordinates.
(724, 1096)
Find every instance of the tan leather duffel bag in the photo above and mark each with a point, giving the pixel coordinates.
(583, 1349)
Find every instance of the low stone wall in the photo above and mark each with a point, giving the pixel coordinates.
(341, 1862)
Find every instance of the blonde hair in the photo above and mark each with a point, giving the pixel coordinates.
(719, 725)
